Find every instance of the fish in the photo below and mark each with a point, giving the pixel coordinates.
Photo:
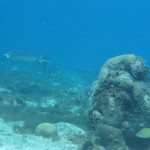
(143, 133)
(19, 55)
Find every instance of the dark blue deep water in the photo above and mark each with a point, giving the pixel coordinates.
(78, 33)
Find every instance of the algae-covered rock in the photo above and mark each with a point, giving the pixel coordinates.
(110, 137)
(144, 133)
(46, 130)
(121, 93)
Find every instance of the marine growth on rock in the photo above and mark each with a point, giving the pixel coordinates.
(120, 95)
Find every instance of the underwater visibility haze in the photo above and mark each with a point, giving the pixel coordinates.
(74, 75)
(83, 33)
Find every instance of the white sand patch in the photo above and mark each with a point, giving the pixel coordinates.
(13, 141)
(4, 90)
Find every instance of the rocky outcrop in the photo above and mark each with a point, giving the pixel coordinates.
(120, 100)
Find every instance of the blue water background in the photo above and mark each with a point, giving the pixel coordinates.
(78, 33)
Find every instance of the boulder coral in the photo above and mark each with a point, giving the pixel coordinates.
(46, 130)
(121, 94)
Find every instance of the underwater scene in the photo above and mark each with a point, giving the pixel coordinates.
(74, 75)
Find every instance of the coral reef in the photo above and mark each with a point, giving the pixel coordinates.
(110, 137)
(120, 101)
(24, 92)
(118, 106)
(10, 140)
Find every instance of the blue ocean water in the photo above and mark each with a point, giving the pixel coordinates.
(81, 34)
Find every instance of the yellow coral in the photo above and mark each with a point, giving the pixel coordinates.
(46, 130)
